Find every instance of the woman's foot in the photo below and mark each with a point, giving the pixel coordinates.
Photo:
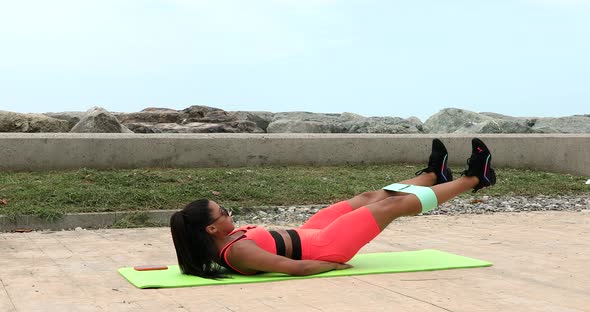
(437, 163)
(479, 165)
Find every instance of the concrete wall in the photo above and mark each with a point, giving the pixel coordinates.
(564, 153)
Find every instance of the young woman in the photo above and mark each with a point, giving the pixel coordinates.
(205, 239)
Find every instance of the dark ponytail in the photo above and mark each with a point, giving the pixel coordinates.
(195, 249)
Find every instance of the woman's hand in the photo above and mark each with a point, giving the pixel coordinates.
(310, 267)
(342, 266)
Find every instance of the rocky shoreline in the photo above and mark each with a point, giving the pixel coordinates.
(205, 119)
(296, 215)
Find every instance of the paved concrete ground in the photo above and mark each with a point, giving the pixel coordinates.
(541, 263)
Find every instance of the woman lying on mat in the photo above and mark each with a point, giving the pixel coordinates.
(204, 234)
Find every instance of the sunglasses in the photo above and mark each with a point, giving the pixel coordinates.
(223, 212)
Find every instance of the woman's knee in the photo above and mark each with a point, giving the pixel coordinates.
(363, 199)
(410, 204)
(368, 194)
(404, 205)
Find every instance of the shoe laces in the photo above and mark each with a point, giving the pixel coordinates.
(466, 167)
(419, 172)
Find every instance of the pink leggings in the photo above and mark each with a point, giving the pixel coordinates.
(336, 233)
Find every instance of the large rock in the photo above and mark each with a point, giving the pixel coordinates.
(197, 113)
(99, 120)
(195, 119)
(416, 122)
(261, 119)
(300, 126)
(145, 127)
(353, 123)
(17, 122)
(305, 122)
(157, 109)
(499, 116)
(450, 120)
(453, 120)
(193, 127)
(498, 126)
(152, 115)
(306, 116)
(570, 124)
(71, 117)
(239, 126)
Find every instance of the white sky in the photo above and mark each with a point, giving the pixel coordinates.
(370, 57)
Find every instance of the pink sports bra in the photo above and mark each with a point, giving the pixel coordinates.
(270, 241)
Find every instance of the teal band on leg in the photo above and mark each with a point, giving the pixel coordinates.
(425, 194)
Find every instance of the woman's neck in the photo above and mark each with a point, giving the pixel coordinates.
(222, 240)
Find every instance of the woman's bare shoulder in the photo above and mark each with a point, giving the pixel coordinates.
(239, 252)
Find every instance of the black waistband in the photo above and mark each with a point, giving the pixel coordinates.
(280, 244)
(296, 241)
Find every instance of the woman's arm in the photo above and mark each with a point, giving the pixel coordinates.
(310, 267)
(248, 257)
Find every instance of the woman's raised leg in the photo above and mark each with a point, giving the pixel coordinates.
(363, 199)
(479, 174)
(327, 215)
(437, 172)
(391, 208)
(351, 231)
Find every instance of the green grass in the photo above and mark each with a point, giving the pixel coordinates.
(134, 220)
(51, 194)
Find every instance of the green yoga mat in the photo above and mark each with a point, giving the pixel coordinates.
(373, 263)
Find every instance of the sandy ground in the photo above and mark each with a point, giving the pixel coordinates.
(539, 261)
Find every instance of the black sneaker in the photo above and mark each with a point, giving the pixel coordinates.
(479, 165)
(437, 163)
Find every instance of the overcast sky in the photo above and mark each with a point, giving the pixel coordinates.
(370, 57)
